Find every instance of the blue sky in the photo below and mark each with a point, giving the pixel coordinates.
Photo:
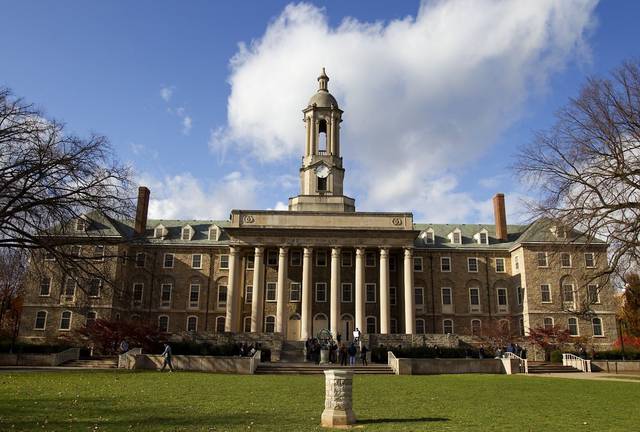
(204, 98)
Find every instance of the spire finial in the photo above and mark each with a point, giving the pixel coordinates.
(323, 79)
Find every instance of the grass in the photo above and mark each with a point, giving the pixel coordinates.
(150, 401)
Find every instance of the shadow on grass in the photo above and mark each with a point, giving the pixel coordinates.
(403, 420)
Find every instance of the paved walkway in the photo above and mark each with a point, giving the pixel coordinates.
(598, 376)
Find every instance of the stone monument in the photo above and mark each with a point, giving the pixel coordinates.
(338, 404)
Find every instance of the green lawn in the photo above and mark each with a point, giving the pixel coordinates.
(146, 401)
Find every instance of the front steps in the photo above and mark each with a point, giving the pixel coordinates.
(314, 369)
(106, 362)
(546, 367)
(292, 352)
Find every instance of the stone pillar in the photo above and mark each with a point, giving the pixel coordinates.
(409, 297)
(307, 328)
(338, 399)
(257, 302)
(281, 319)
(231, 321)
(385, 305)
(334, 319)
(360, 323)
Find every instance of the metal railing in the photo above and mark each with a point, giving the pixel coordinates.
(524, 363)
(576, 362)
(66, 355)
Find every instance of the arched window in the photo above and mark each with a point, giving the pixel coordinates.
(41, 320)
(371, 325)
(573, 327)
(163, 323)
(476, 327)
(420, 326)
(447, 326)
(597, 327)
(270, 324)
(91, 318)
(548, 323)
(192, 323)
(65, 320)
(220, 323)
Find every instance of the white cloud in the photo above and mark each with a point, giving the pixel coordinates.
(186, 125)
(422, 95)
(185, 197)
(166, 93)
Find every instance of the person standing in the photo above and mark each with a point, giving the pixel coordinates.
(352, 354)
(343, 354)
(124, 346)
(167, 358)
(363, 355)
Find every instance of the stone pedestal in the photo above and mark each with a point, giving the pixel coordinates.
(338, 404)
(324, 356)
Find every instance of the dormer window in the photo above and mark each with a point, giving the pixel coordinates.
(214, 233)
(428, 236)
(455, 236)
(484, 238)
(559, 231)
(159, 232)
(81, 224)
(187, 233)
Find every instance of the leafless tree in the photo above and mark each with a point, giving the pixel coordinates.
(585, 170)
(49, 180)
(12, 279)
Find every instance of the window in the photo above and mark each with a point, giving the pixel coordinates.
(542, 259)
(392, 263)
(224, 262)
(322, 184)
(417, 264)
(41, 320)
(220, 324)
(94, 287)
(420, 326)
(476, 326)
(321, 258)
(519, 295)
(246, 324)
(271, 292)
(69, 287)
(369, 259)
(321, 292)
(272, 258)
(392, 295)
(81, 225)
(186, 233)
(594, 293)
(447, 326)
(165, 294)
(596, 323)
(45, 286)
(516, 262)
(140, 259)
(65, 321)
(194, 295)
(521, 331)
(192, 324)
(137, 293)
(75, 251)
(545, 293)
(589, 260)
(567, 293)
(346, 259)
(371, 325)
(370, 292)
(168, 260)
(484, 238)
(472, 265)
(213, 233)
(573, 327)
(456, 237)
(500, 267)
(251, 261)
(98, 252)
(248, 294)
(295, 258)
(565, 260)
(548, 323)
(222, 296)
(270, 324)
(347, 293)
(502, 298)
(163, 323)
(446, 296)
(428, 236)
(196, 261)
(158, 232)
(394, 326)
(91, 318)
(445, 264)
(294, 292)
(474, 299)
(419, 296)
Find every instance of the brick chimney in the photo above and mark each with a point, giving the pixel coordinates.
(141, 210)
(500, 216)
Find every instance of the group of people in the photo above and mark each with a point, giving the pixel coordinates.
(339, 351)
(516, 349)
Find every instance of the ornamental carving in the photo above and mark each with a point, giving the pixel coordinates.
(248, 219)
(396, 221)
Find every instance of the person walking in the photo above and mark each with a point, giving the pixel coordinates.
(167, 358)
(363, 355)
(352, 354)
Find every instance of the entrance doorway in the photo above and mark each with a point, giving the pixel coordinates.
(320, 322)
(293, 327)
(346, 327)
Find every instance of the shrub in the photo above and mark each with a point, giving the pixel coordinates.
(556, 356)
(379, 354)
(617, 355)
(27, 348)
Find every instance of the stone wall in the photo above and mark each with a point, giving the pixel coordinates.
(407, 340)
(27, 359)
(235, 365)
(271, 341)
(615, 366)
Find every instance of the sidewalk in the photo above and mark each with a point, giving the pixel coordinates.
(598, 376)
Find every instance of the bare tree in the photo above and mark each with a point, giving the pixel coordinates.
(585, 170)
(50, 180)
(12, 279)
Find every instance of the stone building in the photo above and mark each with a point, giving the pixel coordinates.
(322, 264)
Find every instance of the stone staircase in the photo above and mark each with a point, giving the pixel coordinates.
(288, 368)
(106, 362)
(547, 367)
(292, 352)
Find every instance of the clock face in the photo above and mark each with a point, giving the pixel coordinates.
(322, 171)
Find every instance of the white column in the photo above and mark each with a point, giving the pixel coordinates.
(385, 305)
(306, 330)
(231, 322)
(281, 320)
(334, 320)
(409, 297)
(257, 302)
(360, 322)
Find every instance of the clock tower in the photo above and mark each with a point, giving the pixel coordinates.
(321, 174)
